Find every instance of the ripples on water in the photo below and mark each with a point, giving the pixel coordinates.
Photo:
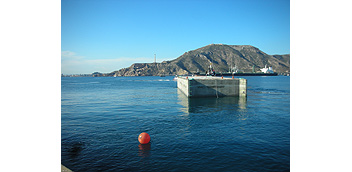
(102, 118)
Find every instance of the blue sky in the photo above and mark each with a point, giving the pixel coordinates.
(107, 35)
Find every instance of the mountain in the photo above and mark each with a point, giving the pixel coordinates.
(221, 56)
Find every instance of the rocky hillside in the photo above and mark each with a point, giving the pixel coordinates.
(221, 56)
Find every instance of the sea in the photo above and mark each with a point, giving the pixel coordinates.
(102, 117)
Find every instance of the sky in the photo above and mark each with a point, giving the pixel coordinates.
(107, 35)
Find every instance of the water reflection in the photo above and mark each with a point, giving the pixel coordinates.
(242, 102)
(198, 105)
(144, 150)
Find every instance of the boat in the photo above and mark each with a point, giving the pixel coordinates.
(264, 72)
(236, 72)
(249, 74)
(175, 78)
(267, 70)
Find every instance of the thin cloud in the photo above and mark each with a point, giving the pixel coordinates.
(72, 63)
(69, 55)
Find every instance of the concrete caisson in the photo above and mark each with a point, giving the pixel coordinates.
(209, 86)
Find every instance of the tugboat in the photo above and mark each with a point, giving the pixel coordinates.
(210, 71)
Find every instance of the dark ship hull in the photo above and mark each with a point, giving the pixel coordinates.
(247, 74)
(238, 74)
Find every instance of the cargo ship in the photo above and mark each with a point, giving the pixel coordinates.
(247, 74)
(264, 72)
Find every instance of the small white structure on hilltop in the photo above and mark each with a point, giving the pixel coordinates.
(267, 70)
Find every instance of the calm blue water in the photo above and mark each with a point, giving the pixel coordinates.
(102, 117)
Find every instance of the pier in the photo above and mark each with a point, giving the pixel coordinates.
(65, 169)
(210, 86)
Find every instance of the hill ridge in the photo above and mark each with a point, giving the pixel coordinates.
(222, 57)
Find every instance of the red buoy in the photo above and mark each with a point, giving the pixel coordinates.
(144, 138)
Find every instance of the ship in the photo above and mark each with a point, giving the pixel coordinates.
(236, 72)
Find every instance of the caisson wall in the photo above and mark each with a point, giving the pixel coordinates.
(209, 86)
